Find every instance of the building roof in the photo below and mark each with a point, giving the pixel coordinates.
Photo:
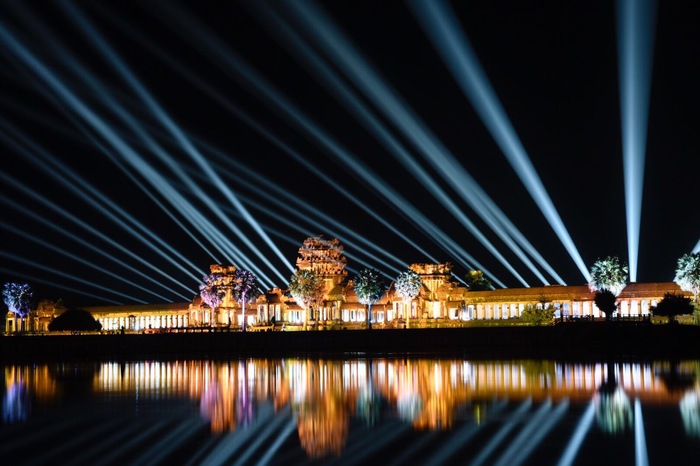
(645, 290)
(534, 294)
(167, 307)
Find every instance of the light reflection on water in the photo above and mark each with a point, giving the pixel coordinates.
(288, 411)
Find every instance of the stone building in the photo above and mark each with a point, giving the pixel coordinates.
(442, 301)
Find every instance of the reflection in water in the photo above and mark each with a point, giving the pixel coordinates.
(325, 396)
(613, 411)
(690, 413)
(15, 401)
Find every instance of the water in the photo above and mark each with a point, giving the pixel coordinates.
(352, 411)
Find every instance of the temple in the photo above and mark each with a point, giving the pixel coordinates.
(442, 302)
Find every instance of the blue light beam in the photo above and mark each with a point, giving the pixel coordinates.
(33, 278)
(181, 138)
(285, 148)
(80, 260)
(31, 194)
(53, 226)
(434, 152)
(635, 20)
(347, 97)
(120, 146)
(450, 41)
(78, 185)
(272, 97)
(60, 273)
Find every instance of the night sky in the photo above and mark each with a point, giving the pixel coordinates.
(194, 76)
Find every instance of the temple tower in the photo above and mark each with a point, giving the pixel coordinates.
(325, 258)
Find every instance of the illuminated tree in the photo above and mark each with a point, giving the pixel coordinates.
(306, 287)
(673, 305)
(408, 285)
(16, 297)
(606, 302)
(608, 274)
(245, 289)
(688, 274)
(211, 291)
(538, 315)
(476, 281)
(369, 288)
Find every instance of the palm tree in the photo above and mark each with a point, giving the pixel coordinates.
(606, 302)
(245, 289)
(408, 285)
(688, 274)
(306, 287)
(673, 305)
(211, 292)
(369, 288)
(477, 281)
(608, 274)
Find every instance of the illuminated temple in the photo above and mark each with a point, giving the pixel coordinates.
(441, 302)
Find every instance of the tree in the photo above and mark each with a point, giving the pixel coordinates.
(306, 287)
(369, 288)
(476, 281)
(606, 302)
(538, 315)
(211, 291)
(245, 289)
(408, 285)
(75, 320)
(17, 299)
(673, 305)
(608, 274)
(688, 274)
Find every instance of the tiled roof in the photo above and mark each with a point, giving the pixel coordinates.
(550, 293)
(138, 308)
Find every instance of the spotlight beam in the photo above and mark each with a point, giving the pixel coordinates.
(89, 264)
(449, 40)
(363, 75)
(455, 250)
(295, 116)
(60, 273)
(273, 213)
(111, 137)
(30, 193)
(641, 457)
(635, 20)
(275, 194)
(501, 435)
(49, 163)
(80, 291)
(96, 250)
(87, 135)
(297, 157)
(347, 97)
(584, 425)
(139, 163)
(180, 137)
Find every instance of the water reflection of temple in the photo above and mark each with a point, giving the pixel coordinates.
(323, 396)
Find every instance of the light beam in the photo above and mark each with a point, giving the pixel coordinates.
(449, 40)
(635, 19)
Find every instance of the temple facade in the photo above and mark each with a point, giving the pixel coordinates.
(442, 301)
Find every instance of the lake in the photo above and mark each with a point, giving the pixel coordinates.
(352, 411)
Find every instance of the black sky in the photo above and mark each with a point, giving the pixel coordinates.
(553, 65)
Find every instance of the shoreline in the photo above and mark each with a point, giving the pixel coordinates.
(568, 341)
